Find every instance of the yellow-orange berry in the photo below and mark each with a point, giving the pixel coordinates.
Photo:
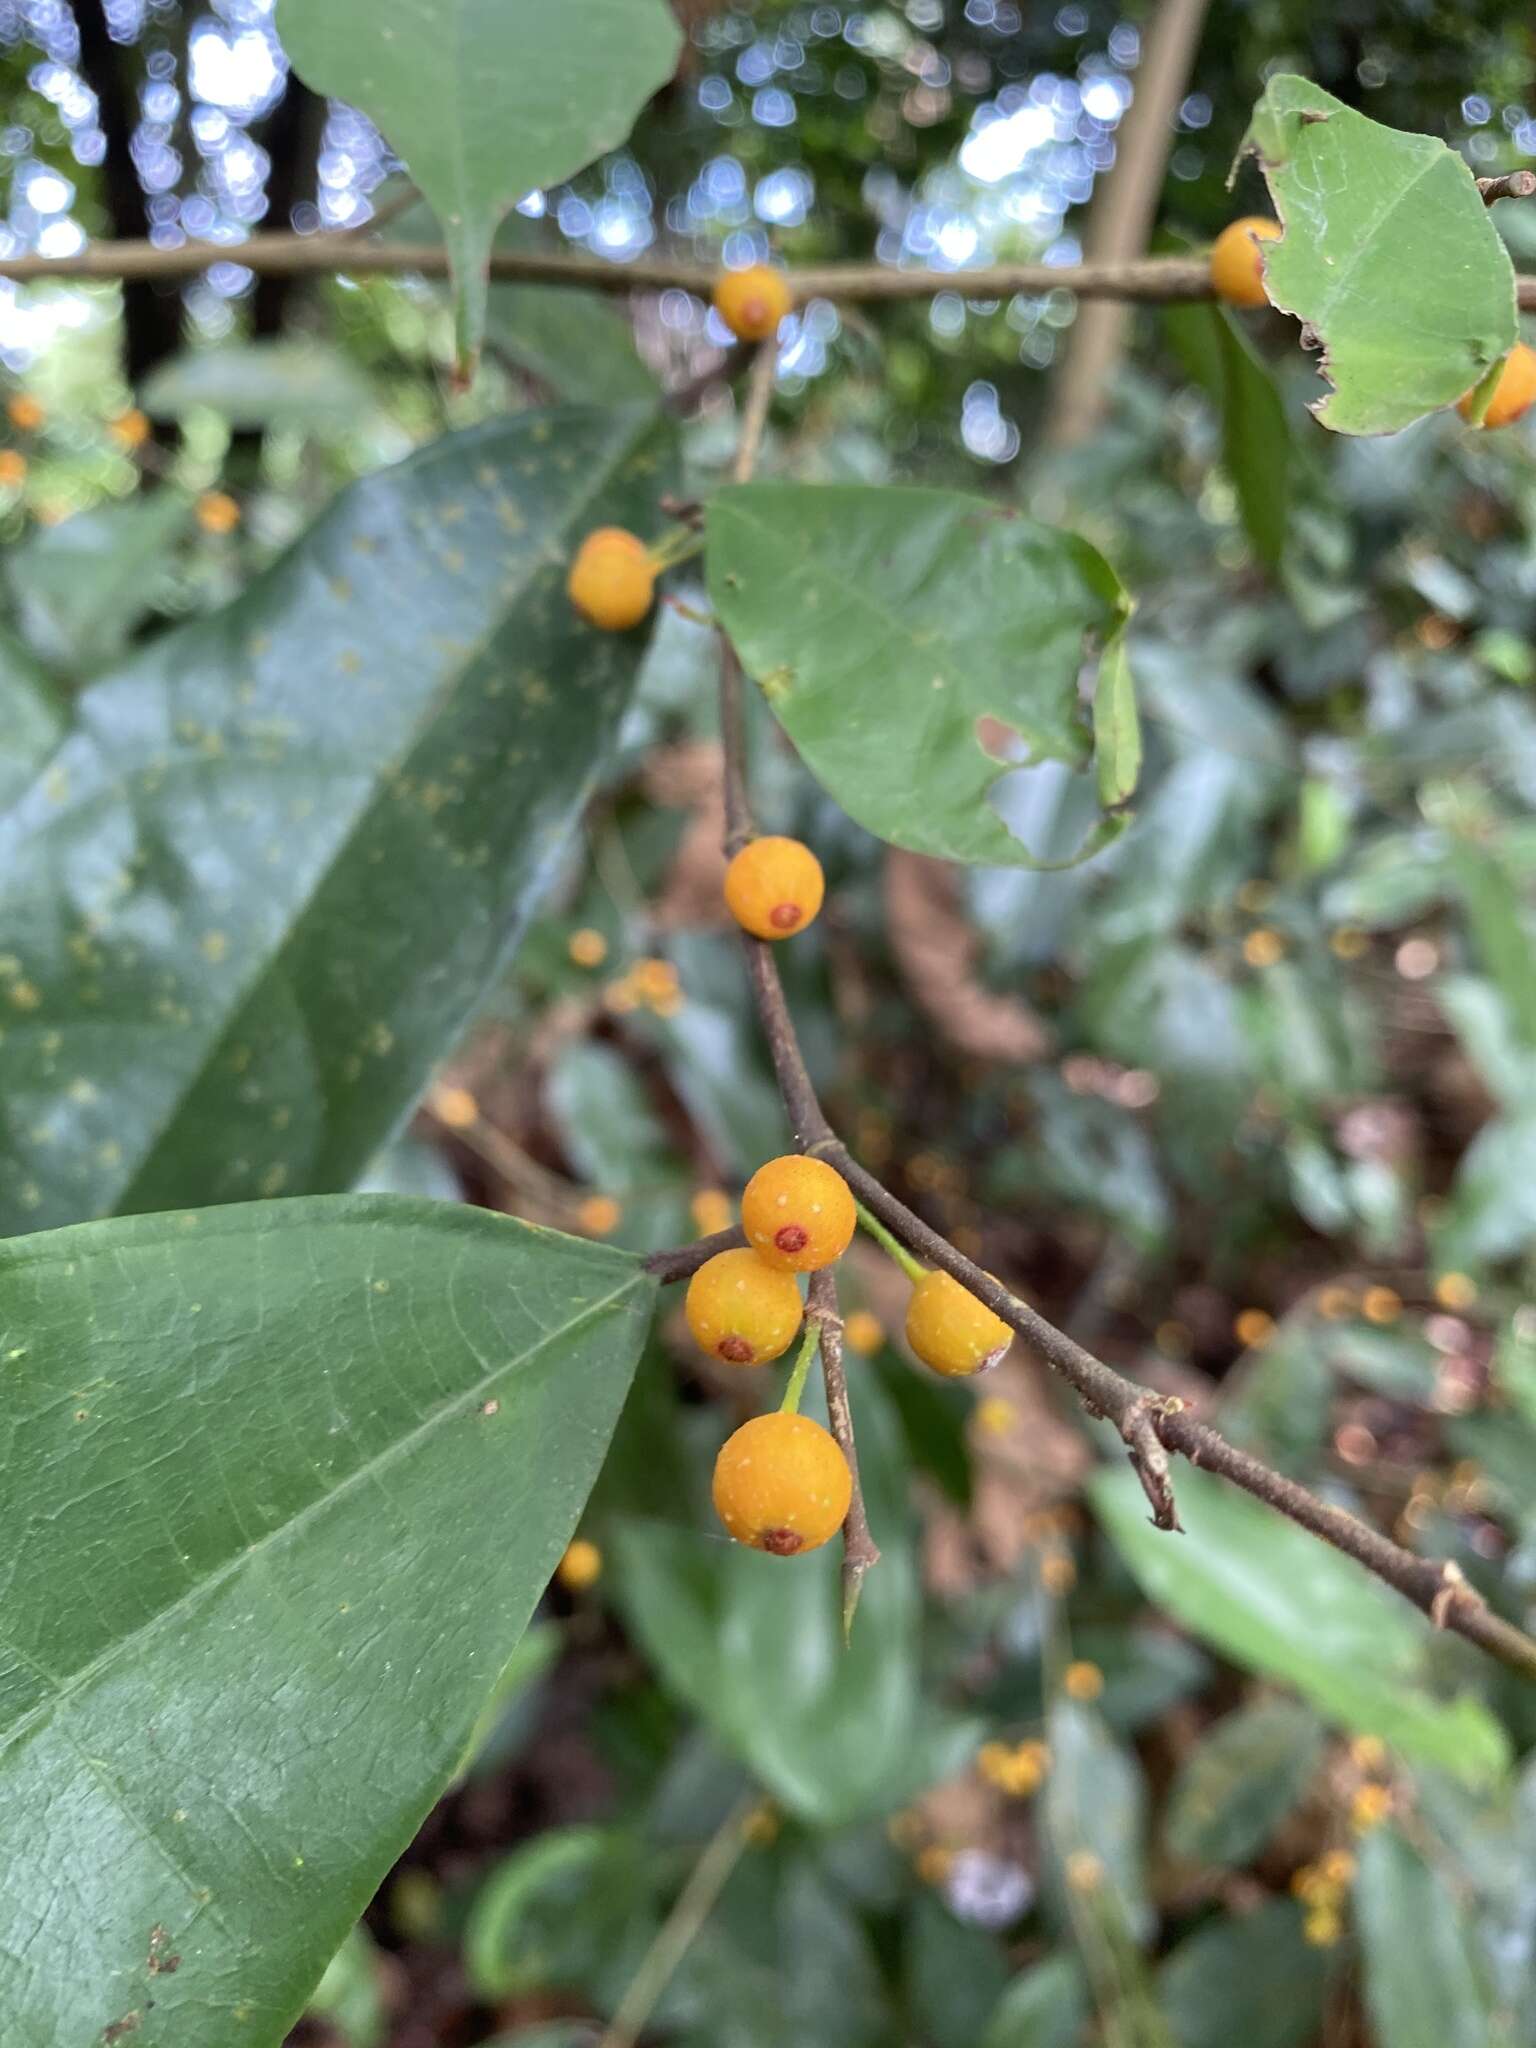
(1253, 1327)
(580, 1566)
(798, 1214)
(13, 469)
(25, 412)
(951, 1330)
(1058, 1574)
(1455, 1290)
(599, 1214)
(711, 1211)
(1237, 264)
(1514, 393)
(587, 948)
(774, 887)
(741, 1310)
(217, 512)
(781, 1484)
(1262, 948)
(864, 1333)
(753, 301)
(455, 1107)
(613, 579)
(1369, 1808)
(1082, 1681)
(1381, 1304)
(129, 430)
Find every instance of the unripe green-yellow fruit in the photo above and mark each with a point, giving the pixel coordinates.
(798, 1214)
(782, 1484)
(951, 1330)
(741, 1310)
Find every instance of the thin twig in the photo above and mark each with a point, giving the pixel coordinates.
(693, 1906)
(860, 1551)
(754, 415)
(1512, 185)
(687, 1259)
(1151, 280)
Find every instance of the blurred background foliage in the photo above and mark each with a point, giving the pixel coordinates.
(1248, 1102)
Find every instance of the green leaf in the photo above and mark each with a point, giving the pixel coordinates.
(1096, 1800)
(1279, 1601)
(1254, 1980)
(954, 1975)
(1116, 727)
(580, 344)
(1044, 2007)
(259, 384)
(1255, 441)
(284, 1482)
(259, 888)
(755, 1644)
(1491, 1212)
(1388, 255)
(884, 624)
(1240, 1781)
(1422, 1985)
(486, 103)
(32, 717)
(82, 586)
(351, 1993)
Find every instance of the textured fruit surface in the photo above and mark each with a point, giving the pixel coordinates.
(741, 1310)
(782, 1485)
(612, 580)
(951, 1330)
(774, 887)
(1514, 393)
(798, 1214)
(1237, 266)
(752, 302)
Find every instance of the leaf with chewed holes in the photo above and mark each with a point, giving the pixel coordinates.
(263, 881)
(1388, 255)
(901, 634)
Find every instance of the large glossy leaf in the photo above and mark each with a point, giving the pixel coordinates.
(282, 1485)
(1422, 1984)
(1389, 256)
(486, 100)
(755, 1645)
(32, 717)
(884, 625)
(257, 890)
(1277, 1600)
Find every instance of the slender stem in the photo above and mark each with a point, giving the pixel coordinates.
(754, 417)
(790, 1405)
(679, 544)
(860, 1550)
(912, 1267)
(693, 1906)
(1150, 280)
(683, 1263)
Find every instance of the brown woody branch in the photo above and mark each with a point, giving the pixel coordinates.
(1150, 280)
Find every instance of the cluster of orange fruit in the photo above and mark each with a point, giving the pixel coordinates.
(781, 1482)
(1237, 277)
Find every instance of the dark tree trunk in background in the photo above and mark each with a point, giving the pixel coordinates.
(291, 136)
(152, 313)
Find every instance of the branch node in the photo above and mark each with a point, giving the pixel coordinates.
(1149, 1459)
(1454, 1592)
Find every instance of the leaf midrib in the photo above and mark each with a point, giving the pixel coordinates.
(67, 1688)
